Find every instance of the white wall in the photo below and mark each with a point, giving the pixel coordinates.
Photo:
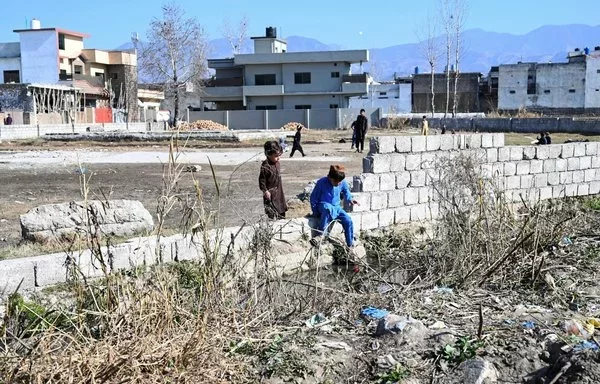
(592, 81)
(39, 56)
(396, 100)
(9, 64)
(320, 78)
(512, 78)
(559, 80)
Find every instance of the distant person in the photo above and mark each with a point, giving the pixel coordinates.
(296, 146)
(548, 138)
(424, 126)
(361, 125)
(269, 182)
(353, 127)
(540, 140)
(8, 120)
(283, 144)
(443, 129)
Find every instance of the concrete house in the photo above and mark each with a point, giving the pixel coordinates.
(570, 87)
(468, 92)
(392, 97)
(272, 78)
(62, 81)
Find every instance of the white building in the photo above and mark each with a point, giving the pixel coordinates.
(272, 78)
(392, 98)
(574, 85)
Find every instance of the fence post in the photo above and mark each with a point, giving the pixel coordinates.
(307, 117)
(267, 119)
(38, 129)
(227, 119)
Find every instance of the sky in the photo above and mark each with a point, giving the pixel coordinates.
(351, 24)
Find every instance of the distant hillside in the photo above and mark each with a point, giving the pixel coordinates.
(483, 49)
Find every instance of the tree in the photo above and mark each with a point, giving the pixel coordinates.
(236, 36)
(174, 53)
(460, 14)
(430, 48)
(447, 24)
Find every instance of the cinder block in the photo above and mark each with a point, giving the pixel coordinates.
(387, 181)
(528, 153)
(364, 202)
(510, 169)
(402, 215)
(418, 212)
(573, 163)
(402, 179)
(497, 169)
(396, 198)
(379, 200)
(537, 166)
(413, 161)
(558, 192)
(596, 162)
(382, 144)
(583, 189)
(526, 181)
(549, 165)
(423, 195)
(585, 162)
(542, 152)
(386, 217)
(553, 178)
(541, 180)
(433, 143)
(356, 221)
(578, 176)
(486, 171)
(571, 190)
(487, 140)
(366, 182)
(591, 149)
(473, 141)
(498, 140)
(513, 182)
(579, 149)
(411, 196)
(566, 177)
(523, 167)
(504, 154)
(397, 162)
(403, 144)
(516, 153)
(377, 163)
(428, 160)
(589, 175)
(369, 220)
(446, 142)
(419, 144)
(434, 210)
(492, 155)
(417, 178)
(561, 165)
(545, 193)
(567, 151)
(594, 187)
(554, 151)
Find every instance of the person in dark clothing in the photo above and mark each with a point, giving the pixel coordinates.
(296, 146)
(361, 125)
(548, 138)
(269, 182)
(8, 120)
(353, 127)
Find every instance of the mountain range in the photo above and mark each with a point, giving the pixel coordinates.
(482, 49)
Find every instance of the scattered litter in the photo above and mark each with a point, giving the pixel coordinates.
(316, 320)
(509, 322)
(374, 313)
(586, 346)
(574, 307)
(528, 324)
(565, 241)
(335, 345)
(386, 362)
(81, 171)
(594, 322)
(438, 325)
(375, 345)
(393, 324)
(575, 328)
(384, 288)
(443, 290)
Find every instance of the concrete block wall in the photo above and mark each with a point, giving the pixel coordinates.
(396, 185)
(18, 132)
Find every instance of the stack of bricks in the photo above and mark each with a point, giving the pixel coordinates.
(396, 185)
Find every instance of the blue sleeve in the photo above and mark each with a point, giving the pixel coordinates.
(346, 192)
(314, 196)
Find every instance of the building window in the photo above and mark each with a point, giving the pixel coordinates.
(11, 77)
(546, 91)
(302, 78)
(302, 106)
(597, 70)
(99, 74)
(265, 107)
(335, 65)
(571, 91)
(78, 69)
(264, 79)
(335, 74)
(333, 106)
(114, 75)
(61, 41)
(511, 92)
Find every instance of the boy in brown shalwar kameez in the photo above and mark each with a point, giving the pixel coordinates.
(269, 182)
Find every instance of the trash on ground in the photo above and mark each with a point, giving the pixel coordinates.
(586, 346)
(443, 290)
(372, 312)
(335, 345)
(317, 320)
(575, 328)
(528, 324)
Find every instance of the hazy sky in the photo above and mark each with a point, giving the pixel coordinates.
(352, 24)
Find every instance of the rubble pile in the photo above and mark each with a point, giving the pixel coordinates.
(204, 125)
(292, 126)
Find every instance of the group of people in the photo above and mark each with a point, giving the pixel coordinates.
(544, 139)
(8, 120)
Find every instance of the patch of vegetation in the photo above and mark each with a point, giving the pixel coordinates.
(279, 359)
(393, 376)
(463, 349)
(593, 203)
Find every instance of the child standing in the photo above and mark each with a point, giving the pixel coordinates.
(296, 146)
(269, 182)
(325, 202)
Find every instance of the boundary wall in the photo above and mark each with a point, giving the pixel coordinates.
(16, 132)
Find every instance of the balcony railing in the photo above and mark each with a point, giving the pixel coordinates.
(96, 81)
(361, 78)
(229, 82)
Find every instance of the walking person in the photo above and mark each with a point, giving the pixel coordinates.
(8, 120)
(424, 126)
(269, 182)
(361, 125)
(296, 146)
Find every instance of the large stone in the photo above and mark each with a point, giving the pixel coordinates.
(119, 218)
(478, 371)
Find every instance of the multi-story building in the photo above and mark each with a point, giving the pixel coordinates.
(570, 87)
(272, 78)
(53, 61)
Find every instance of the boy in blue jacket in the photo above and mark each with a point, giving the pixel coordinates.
(325, 203)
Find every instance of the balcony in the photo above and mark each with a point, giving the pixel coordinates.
(354, 88)
(227, 82)
(361, 78)
(263, 90)
(221, 93)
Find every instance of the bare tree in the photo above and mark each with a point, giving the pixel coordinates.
(459, 16)
(236, 36)
(174, 53)
(447, 23)
(430, 49)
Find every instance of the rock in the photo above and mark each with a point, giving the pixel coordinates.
(121, 218)
(478, 371)
(411, 329)
(192, 168)
(305, 194)
(295, 202)
(438, 325)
